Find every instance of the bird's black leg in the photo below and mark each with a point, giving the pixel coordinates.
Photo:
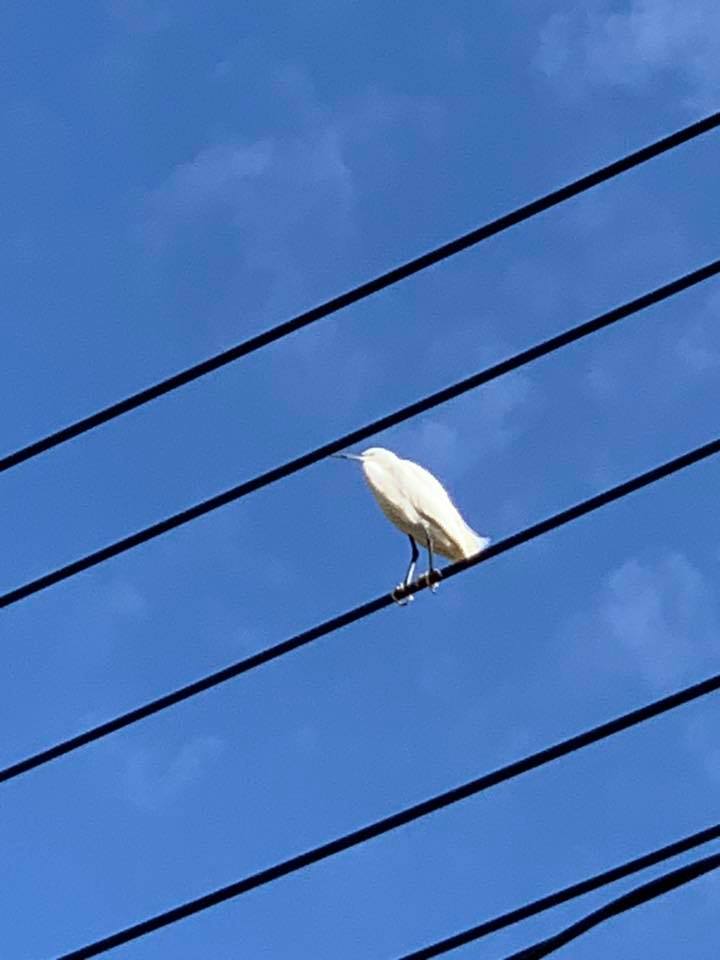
(433, 575)
(413, 560)
(409, 575)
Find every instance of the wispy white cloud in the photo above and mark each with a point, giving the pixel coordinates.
(698, 347)
(662, 615)
(97, 621)
(153, 783)
(456, 440)
(703, 739)
(271, 190)
(656, 616)
(636, 45)
(686, 353)
(374, 111)
(265, 189)
(278, 214)
(127, 601)
(270, 208)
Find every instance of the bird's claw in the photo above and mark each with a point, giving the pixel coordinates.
(399, 596)
(432, 579)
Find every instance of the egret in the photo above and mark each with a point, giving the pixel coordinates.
(418, 504)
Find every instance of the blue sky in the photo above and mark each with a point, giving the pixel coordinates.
(177, 176)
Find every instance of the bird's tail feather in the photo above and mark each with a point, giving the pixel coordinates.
(471, 544)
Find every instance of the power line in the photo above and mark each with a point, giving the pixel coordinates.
(565, 895)
(361, 292)
(629, 901)
(365, 610)
(285, 470)
(396, 820)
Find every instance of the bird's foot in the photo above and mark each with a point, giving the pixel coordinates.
(432, 579)
(401, 598)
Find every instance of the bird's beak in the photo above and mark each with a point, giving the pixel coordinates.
(347, 456)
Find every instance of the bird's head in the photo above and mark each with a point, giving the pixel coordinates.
(371, 455)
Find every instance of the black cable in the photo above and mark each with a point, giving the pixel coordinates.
(628, 901)
(565, 895)
(364, 610)
(355, 436)
(366, 289)
(399, 819)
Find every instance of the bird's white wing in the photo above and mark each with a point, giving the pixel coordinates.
(451, 534)
(428, 495)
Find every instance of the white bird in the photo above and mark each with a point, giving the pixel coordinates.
(418, 504)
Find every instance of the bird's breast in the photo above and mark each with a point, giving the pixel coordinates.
(393, 502)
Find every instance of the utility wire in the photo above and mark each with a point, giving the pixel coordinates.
(387, 824)
(629, 901)
(364, 290)
(285, 470)
(565, 895)
(373, 606)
